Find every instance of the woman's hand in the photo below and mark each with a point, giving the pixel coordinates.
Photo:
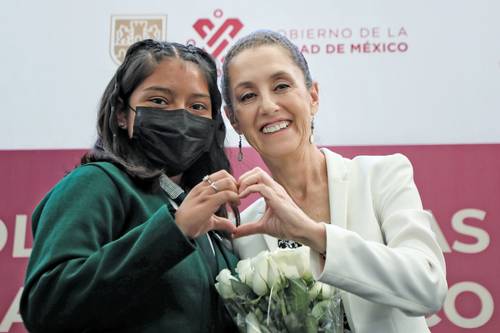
(282, 218)
(195, 216)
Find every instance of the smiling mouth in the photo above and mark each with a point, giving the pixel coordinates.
(275, 127)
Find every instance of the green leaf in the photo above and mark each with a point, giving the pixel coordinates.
(297, 297)
(293, 324)
(264, 329)
(240, 288)
(311, 324)
(320, 309)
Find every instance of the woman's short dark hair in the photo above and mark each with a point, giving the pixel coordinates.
(256, 39)
(113, 143)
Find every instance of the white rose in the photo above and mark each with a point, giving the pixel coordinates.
(245, 271)
(260, 274)
(327, 291)
(223, 284)
(293, 263)
(274, 275)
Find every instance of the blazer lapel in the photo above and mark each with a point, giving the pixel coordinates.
(272, 243)
(337, 187)
(337, 191)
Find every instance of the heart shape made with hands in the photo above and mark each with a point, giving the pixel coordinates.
(282, 218)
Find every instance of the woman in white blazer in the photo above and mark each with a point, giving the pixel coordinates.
(362, 218)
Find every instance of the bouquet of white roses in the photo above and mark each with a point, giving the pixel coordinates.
(275, 292)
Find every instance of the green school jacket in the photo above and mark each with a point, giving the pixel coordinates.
(108, 257)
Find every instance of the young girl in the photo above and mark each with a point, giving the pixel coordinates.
(117, 247)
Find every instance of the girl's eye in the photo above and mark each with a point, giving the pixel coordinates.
(159, 101)
(199, 107)
(246, 97)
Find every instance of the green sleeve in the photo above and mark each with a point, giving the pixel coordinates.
(87, 264)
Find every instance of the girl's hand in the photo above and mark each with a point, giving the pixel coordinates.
(196, 215)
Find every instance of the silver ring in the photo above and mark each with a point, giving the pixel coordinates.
(208, 180)
(212, 185)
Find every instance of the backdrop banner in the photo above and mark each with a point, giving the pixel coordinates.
(464, 205)
(416, 77)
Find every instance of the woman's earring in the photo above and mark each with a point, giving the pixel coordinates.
(311, 137)
(240, 152)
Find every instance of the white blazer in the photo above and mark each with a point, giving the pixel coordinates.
(381, 251)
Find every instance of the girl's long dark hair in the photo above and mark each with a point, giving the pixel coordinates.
(114, 145)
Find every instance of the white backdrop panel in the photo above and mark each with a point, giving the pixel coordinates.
(444, 89)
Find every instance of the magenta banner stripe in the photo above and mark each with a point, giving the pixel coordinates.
(459, 184)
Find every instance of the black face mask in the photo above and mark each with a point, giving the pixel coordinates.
(172, 139)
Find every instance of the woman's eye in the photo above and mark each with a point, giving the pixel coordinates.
(246, 97)
(281, 86)
(159, 101)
